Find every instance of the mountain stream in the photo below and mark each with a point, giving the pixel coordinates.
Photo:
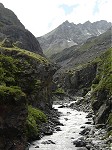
(72, 120)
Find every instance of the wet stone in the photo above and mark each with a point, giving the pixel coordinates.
(57, 128)
(85, 131)
(37, 146)
(48, 142)
(88, 122)
(80, 142)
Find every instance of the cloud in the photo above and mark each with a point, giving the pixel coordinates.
(43, 16)
(68, 9)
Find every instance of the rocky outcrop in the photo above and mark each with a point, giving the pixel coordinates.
(13, 114)
(25, 79)
(102, 90)
(78, 81)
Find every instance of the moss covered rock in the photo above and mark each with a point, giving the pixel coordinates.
(35, 118)
(25, 79)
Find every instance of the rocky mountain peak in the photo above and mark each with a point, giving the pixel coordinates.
(1, 5)
(69, 34)
(66, 22)
(11, 27)
(87, 23)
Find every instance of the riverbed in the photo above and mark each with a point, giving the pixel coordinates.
(72, 120)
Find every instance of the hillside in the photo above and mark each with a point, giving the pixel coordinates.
(75, 56)
(12, 29)
(25, 94)
(30, 83)
(69, 34)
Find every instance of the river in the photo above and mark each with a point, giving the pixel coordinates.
(63, 140)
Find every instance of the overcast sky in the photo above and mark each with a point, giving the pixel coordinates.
(42, 16)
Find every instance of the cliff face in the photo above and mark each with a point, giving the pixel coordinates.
(78, 81)
(25, 79)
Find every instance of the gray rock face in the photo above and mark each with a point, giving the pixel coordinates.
(69, 34)
(79, 79)
(15, 33)
(12, 28)
(7, 17)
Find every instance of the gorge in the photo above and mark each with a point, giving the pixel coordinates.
(34, 89)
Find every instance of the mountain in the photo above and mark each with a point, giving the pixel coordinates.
(83, 53)
(7, 17)
(14, 31)
(69, 34)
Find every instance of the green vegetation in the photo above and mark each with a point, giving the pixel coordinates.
(7, 70)
(102, 89)
(20, 79)
(35, 118)
(59, 91)
(110, 119)
(11, 95)
(25, 53)
(103, 80)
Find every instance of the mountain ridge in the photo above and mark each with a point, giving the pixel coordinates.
(13, 30)
(69, 34)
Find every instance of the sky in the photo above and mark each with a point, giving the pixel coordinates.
(42, 16)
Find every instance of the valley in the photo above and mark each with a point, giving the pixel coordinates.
(55, 90)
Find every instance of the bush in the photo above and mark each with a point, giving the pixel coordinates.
(35, 118)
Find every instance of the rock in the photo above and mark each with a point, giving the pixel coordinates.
(100, 126)
(48, 131)
(109, 128)
(66, 119)
(68, 112)
(88, 122)
(82, 127)
(85, 131)
(80, 142)
(58, 129)
(7, 43)
(37, 146)
(89, 147)
(62, 106)
(90, 115)
(56, 121)
(48, 142)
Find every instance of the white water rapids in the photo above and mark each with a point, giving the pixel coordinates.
(72, 120)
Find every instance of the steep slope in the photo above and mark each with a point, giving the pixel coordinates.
(23, 89)
(69, 34)
(7, 17)
(101, 90)
(77, 71)
(76, 56)
(12, 29)
(25, 84)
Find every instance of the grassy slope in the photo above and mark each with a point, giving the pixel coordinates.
(102, 87)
